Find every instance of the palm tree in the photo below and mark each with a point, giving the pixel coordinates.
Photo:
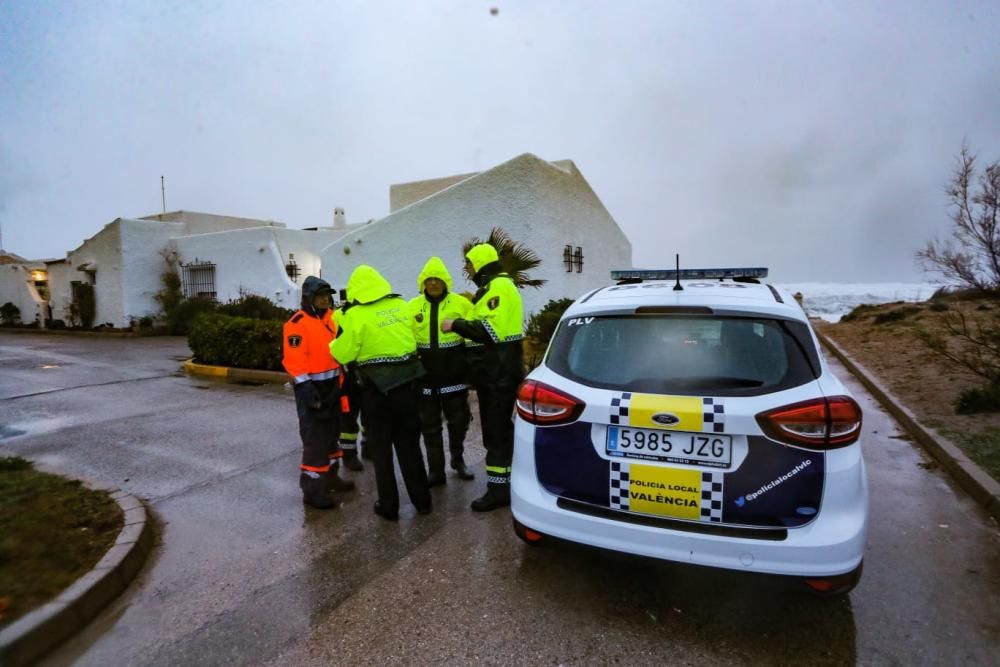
(516, 259)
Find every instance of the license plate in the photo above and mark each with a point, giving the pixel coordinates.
(713, 450)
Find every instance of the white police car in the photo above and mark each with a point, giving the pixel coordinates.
(696, 422)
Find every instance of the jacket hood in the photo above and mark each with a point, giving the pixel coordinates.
(434, 268)
(312, 286)
(366, 285)
(481, 255)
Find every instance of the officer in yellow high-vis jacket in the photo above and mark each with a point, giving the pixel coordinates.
(494, 328)
(445, 387)
(376, 342)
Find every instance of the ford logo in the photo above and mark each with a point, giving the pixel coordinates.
(666, 419)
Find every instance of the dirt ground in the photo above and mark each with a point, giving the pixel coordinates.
(884, 340)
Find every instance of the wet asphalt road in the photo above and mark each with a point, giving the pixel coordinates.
(243, 574)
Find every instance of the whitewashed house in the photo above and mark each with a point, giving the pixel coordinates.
(23, 284)
(217, 256)
(549, 206)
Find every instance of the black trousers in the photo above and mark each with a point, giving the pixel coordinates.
(455, 407)
(319, 429)
(496, 414)
(349, 425)
(392, 422)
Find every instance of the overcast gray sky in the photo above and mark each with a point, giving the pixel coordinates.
(811, 137)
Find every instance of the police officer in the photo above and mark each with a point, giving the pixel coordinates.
(494, 328)
(444, 388)
(350, 402)
(316, 380)
(376, 340)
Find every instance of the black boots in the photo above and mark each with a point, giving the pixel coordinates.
(436, 478)
(337, 483)
(351, 460)
(496, 496)
(316, 490)
(463, 472)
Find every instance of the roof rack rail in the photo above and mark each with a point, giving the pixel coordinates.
(638, 275)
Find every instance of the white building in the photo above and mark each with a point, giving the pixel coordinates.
(22, 283)
(547, 206)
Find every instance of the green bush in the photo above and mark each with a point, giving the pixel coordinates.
(256, 308)
(241, 342)
(9, 313)
(895, 315)
(181, 318)
(938, 306)
(979, 399)
(859, 312)
(542, 325)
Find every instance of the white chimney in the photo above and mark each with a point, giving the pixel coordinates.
(339, 221)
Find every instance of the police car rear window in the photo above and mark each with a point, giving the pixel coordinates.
(686, 355)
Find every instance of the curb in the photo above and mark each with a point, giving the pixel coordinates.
(984, 489)
(228, 373)
(71, 332)
(33, 635)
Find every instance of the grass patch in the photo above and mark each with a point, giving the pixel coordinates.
(52, 531)
(896, 315)
(859, 312)
(982, 446)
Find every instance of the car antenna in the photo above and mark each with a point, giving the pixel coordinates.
(677, 287)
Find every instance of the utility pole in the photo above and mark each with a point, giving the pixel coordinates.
(163, 194)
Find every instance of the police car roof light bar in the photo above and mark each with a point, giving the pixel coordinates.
(688, 274)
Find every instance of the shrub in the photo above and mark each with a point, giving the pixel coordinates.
(181, 318)
(9, 313)
(938, 306)
(895, 315)
(542, 325)
(146, 322)
(241, 342)
(55, 324)
(171, 295)
(256, 308)
(979, 399)
(859, 312)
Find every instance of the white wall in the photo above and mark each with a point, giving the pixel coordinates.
(103, 251)
(253, 260)
(541, 204)
(208, 223)
(59, 289)
(142, 265)
(17, 287)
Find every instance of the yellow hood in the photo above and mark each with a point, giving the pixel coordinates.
(481, 255)
(434, 268)
(367, 285)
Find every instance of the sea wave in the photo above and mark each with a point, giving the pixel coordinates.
(831, 301)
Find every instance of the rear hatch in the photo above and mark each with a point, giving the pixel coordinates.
(670, 424)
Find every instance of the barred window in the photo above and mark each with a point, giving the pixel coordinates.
(198, 279)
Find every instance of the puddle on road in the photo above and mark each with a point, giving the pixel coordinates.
(9, 432)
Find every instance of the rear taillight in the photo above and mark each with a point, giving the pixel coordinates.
(821, 423)
(540, 404)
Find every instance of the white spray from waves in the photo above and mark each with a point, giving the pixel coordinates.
(831, 301)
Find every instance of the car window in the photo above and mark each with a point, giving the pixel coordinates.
(721, 356)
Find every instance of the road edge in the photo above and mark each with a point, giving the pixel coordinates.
(228, 373)
(42, 630)
(984, 489)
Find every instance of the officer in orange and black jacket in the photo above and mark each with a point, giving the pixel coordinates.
(316, 377)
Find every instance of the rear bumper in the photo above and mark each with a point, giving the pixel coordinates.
(831, 544)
